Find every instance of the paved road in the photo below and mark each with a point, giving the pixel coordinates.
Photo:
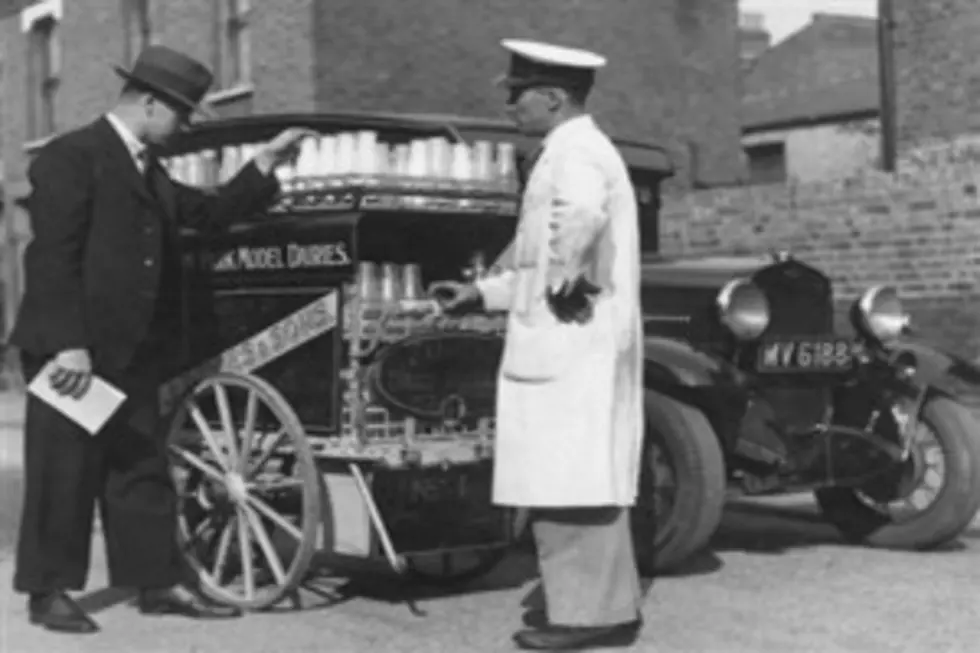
(777, 581)
(11, 417)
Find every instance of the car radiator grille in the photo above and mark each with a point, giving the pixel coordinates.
(801, 304)
(800, 301)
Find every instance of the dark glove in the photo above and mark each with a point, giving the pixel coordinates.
(572, 302)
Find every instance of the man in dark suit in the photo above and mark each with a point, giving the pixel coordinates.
(103, 296)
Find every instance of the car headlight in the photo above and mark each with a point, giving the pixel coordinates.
(878, 314)
(743, 308)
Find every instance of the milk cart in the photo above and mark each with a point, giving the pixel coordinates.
(334, 415)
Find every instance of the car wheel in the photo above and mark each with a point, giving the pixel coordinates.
(681, 487)
(925, 502)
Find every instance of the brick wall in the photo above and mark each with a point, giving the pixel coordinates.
(91, 34)
(918, 230)
(938, 68)
(672, 77)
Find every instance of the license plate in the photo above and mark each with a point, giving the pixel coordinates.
(806, 355)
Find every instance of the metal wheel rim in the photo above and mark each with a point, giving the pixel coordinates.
(931, 480)
(246, 532)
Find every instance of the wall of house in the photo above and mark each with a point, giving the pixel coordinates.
(672, 77)
(918, 230)
(824, 152)
(937, 59)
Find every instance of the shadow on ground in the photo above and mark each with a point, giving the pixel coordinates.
(773, 529)
(752, 527)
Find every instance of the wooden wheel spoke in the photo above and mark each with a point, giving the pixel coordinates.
(245, 546)
(221, 558)
(197, 463)
(228, 476)
(198, 532)
(248, 431)
(269, 551)
(271, 486)
(227, 425)
(267, 452)
(207, 434)
(273, 516)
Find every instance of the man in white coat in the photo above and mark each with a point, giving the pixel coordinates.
(569, 403)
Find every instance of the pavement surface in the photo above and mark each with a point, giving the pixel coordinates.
(776, 580)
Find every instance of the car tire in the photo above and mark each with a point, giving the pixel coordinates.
(691, 448)
(946, 517)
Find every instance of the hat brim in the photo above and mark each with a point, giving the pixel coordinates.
(183, 102)
(510, 82)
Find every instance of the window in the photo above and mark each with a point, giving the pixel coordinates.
(136, 28)
(233, 54)
(43, 63)
(767, 163)
(39, 24)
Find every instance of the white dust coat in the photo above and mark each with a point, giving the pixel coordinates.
(569, 397)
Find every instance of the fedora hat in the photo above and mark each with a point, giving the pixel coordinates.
(176, 78)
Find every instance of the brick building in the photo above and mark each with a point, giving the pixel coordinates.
(937, 61)
(810, 103)
(673, 78)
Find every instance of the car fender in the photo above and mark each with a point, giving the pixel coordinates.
(940, 370)
(669, 362)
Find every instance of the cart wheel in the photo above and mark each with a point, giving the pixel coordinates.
(454, 567)
(249, 494)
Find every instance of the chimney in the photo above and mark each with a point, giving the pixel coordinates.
(753, 37)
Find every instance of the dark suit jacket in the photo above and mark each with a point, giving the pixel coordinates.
(94, 268)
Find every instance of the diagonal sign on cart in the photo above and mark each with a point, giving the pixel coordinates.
(314, 319)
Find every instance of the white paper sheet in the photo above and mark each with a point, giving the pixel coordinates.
(91, 411)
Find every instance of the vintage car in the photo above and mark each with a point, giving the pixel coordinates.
(750, 388)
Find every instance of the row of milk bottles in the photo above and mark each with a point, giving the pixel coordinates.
(390, 283)
(387, 283)
(361, 156)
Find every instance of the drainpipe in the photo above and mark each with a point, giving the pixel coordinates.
(886, 83)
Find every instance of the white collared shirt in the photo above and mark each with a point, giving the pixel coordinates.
(136, 147)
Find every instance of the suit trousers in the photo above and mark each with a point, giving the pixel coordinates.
(124, 469)
(588, 568)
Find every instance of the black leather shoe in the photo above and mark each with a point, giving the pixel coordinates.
(171, 603)
(55, 611)
(578, 638)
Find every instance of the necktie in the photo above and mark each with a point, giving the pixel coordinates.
(154, 177)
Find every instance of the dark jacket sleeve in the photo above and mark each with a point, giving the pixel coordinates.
(249, 191)
(61, 213)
